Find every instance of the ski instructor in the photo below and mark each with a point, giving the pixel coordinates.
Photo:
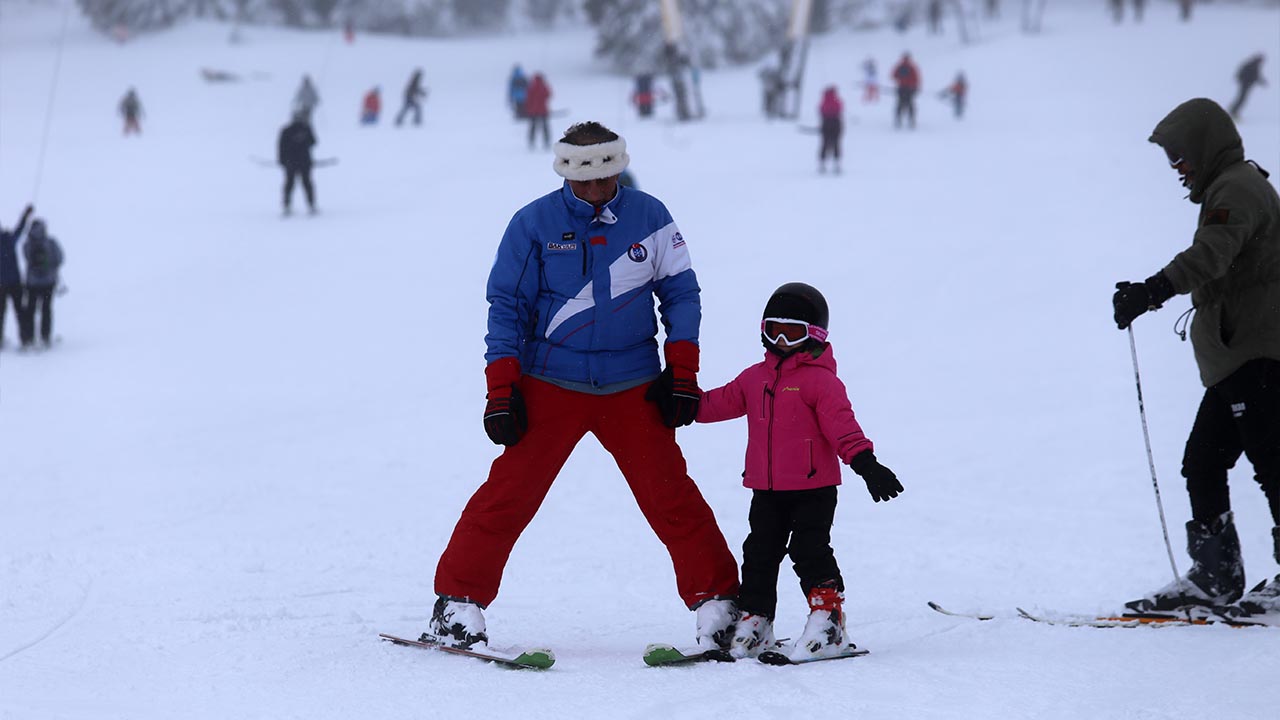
(572, 349)
(1232, 271)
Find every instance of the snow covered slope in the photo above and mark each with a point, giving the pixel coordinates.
(247, 453)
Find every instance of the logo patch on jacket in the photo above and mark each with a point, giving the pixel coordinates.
(1217, 216)
(677, 240)
(562, 245)
(637, 253)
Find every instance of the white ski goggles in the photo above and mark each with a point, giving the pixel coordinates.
(785, 331)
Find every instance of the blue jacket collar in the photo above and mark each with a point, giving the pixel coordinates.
(580, 208)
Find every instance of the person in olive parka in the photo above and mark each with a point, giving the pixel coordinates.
(1232, 270)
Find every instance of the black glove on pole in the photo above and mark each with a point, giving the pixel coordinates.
(1134, 299)
(881, 482)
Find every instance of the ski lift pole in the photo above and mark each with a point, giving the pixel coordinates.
(797, 44)
(48, 111)
(1151, 463)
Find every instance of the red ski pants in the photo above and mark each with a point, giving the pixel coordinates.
(629, 427)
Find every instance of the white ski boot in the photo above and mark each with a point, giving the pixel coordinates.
(824, 630)
(457, 623)
(716, 619)
(753, 635)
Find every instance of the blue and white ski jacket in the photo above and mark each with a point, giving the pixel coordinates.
(571, 293)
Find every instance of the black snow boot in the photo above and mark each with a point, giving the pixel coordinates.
(1265, 598)
(1216, 577)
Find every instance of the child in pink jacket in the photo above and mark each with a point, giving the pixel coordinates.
(800, 427)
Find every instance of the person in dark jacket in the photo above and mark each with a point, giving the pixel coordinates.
(44, 258)
(294, 155)
(537, 109)
(11, 279)
(907, 78)
(131, 110)
(413, 93)
(1249, 74)
(1232, 271)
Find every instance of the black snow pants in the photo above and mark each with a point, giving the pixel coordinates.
(40, 298)
(537, 122)
(1238, 415)
(831, 132)
(303, 173)
(12, 294)
(787, 522)
(906, 106)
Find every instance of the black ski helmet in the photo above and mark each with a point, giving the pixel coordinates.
(798, 301)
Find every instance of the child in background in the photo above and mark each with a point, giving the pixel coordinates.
(371, 107)
(800, 427)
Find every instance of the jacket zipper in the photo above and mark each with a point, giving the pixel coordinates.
(771, 392)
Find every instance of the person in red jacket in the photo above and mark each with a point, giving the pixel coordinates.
(800, 427)
(907, 77)
(371, 107)
(831, 110)
(535, 108)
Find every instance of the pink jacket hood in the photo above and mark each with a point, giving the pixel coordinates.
(800, 425)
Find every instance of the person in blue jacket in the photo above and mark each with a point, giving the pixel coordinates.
(11, 279)
(572, 349)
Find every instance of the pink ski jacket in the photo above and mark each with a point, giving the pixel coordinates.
(800, 425)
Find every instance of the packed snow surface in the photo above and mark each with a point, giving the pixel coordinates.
(248, 450)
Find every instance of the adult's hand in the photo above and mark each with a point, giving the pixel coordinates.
(505, 420)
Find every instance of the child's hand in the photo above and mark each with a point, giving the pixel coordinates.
(881, 482)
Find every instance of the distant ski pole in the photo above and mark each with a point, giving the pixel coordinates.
(1151, 463)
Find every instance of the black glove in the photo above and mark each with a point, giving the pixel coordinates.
(1133, 299)
(677, 395)
(504, 418)
(881, 482)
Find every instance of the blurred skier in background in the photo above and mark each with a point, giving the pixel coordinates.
(643, 96)
(831, 112)
(870, 81)
(1249, 74)
(793, 494)
(537, 109)
(371, 107)
(517, 87)
(44, 258)
(956, 92)
(1232, 270)
(131, 110)
(774, 89)
(935, 17)
(413, 93)
(11, 291)
(549, 384)
(306, 99)
(906, 76)
(293, 153)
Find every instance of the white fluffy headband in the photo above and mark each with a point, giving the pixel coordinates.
(591, 162)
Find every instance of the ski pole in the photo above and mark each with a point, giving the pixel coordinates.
(1151, 463)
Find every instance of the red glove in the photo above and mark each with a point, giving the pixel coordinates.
(676, 390)
(505, 421)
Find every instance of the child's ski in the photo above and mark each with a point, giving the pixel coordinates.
(659, 654)
(773, 657)
(537, 659)
(1192, 616)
